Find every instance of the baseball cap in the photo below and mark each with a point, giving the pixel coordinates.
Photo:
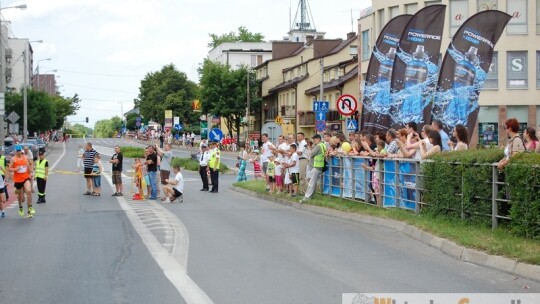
(18, 148)
(41, 152)
(316, 136)
(204, 146)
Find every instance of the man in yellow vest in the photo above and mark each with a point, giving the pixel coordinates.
(4, 172)
(317, 162)
(42, 172)
(213, 166)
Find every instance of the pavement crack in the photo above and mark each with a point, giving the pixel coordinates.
(117, 282)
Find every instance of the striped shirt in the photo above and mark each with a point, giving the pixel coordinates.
(88, 158)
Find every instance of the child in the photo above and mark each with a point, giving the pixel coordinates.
(139, 176)
(279, 172)
(96, 172)
(294, 170)
(256, 166)
(271, 173)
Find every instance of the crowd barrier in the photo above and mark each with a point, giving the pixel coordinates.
(400, 184)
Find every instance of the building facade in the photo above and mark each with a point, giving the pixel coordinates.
(512, 86)
(15, 63)
(237, 54)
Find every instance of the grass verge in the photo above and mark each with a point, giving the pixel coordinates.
(498, 242)
(132, 152)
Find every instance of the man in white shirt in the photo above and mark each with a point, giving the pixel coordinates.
(267, 147)
(294, 169)
(301, 150)
(203, 166)
(175, 188)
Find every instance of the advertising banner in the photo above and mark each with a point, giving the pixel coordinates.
(465, 66)
(376, 96)
(415, 70)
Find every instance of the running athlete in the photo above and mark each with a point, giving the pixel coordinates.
(21, 167)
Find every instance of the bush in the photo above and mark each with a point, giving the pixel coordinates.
(459, 183)
(132, 152)
(523, 176)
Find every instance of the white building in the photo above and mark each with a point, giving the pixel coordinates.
(237, 54)
(15, 63)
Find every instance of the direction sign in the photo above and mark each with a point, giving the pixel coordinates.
(323, 106)
(320, 125)
(351, 124)
(346, 104)
(178, 126)
(320, 115)
(215, 135)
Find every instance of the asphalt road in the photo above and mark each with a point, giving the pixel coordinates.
(220, 248)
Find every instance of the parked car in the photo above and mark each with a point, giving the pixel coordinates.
(39, 143)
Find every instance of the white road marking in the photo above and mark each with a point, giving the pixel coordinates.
(171, 256)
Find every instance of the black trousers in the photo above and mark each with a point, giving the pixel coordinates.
(214, 176)
(204, 176)
(41, 184)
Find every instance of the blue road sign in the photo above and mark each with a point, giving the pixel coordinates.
(178, 127)
(215, 135)
(320, 115)
(323, 106)
(351, 124)
(320, 125)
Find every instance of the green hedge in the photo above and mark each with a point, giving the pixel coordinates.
(193, 165)
(523, 176)
(132, 152)
(459, 183)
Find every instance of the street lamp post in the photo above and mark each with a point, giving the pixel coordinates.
(25, 89)
(3, 77)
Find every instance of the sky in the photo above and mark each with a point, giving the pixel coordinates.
(102, 49)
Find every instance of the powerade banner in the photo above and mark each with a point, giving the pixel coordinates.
(415, 68)
(463, 71)
(376, 101)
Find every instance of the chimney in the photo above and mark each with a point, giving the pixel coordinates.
(350, 35)
(309, 39)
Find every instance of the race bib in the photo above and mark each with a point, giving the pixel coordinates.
(22, 169)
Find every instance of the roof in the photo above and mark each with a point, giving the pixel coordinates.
(132, 111)
(335, 83)
(288, 84)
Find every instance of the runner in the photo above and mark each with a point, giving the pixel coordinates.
(42, 172)
(21, 167)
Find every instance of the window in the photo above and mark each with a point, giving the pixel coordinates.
(432, 2)
(516, 70)
(366, 48)
(459, 12)
(253, 60)
(394, 11)
(380, 18)
(484, 5)
(537, 69)
(518, 10)
(492, 77)
(537, 17)
(411, 8)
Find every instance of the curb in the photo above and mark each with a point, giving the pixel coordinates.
(448, 247)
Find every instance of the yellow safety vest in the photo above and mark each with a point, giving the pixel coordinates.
(214, 161)
(318, 160)
(40, 168)
(3, 164)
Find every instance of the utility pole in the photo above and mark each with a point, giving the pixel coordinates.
(2, 88)
(247, 108)
(25, 96)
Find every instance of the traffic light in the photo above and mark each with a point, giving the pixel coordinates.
(86, 119)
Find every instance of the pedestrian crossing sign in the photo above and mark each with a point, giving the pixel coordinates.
(351, 124)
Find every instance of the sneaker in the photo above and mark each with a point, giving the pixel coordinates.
(21, 211)
(181, 199)
(115, 194)
(31, 210)
(3, 214)
(304, 200)
(119, 194)
(166, 201)
(29, 215)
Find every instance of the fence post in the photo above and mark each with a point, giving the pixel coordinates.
(462, 196)
(398, 188)
(494, 191)
(416, 190)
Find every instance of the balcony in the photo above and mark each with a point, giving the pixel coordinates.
(287, 111)
(306, 118)
(271, 113)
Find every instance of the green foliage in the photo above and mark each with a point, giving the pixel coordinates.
(78, 129)
(64, 107)
(523, 176)
(243, 35)
(458, 183)
(168, 89)
(131, 121)
(41, 112)
(132, 152)
(193, 165)
(107, 128)
(224, 90)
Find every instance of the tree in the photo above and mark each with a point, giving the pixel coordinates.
(244, 35)
(223, 92)
(41, 112)
(106, 128)
(131, 121)
(167, 89)
(64, 107)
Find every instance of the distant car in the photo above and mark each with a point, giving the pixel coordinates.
(42, 145)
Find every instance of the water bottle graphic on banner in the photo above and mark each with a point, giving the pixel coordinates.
(382, 99)
(464, 75)
(415, 74)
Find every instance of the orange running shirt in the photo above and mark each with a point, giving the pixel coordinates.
(22, 169)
